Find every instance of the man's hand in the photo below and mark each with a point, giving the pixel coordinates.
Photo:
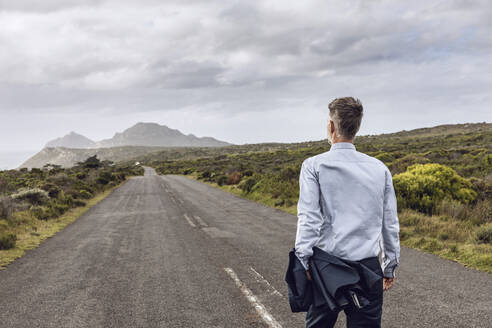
(308, 274)
(387, 283)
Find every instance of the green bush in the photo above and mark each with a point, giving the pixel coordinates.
(248, 184)
(79, 203)
(40, 212)
(423, 186)
(52, 189)
(7, 240)
(105, 177)
(34, 196)
(454, 209)
(6, 207)
(221, 179)
(57, 209)
(234, 178)
(85, 194)
(484, 234)
(385, 157)
(91, 162)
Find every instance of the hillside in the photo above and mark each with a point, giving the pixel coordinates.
(450, 144)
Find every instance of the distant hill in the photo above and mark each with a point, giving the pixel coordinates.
(138, 140)
(67, 157)
(72, 140)
(155, 135)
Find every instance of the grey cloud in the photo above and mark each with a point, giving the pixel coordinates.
(130, 58)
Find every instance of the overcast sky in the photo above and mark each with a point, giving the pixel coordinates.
(240, 71)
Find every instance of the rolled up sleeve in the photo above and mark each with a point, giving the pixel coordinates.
(309, 214)
(390, 230)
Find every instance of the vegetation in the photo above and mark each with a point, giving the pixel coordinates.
(35, 204)
(442, 176)
(423, 187)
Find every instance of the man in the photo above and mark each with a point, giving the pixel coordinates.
(347, 203)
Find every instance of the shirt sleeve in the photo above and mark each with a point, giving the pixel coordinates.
(308, 213)
(391, 229)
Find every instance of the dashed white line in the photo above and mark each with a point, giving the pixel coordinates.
(263, 280)
(200, 221)
(260, 308)
(189, 220)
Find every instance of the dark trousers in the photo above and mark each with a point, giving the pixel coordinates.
(369, 316)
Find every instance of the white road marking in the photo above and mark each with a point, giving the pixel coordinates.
(189, 220)
(200, 221)
(262, 279)
(260, 308)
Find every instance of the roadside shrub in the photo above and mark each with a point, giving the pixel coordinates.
(221, 180)
(205, 174)
(248, 184)
(423, 186)
(482, 212)
(34, 196)
(56, 209)
(187, 171)
(39, 212)
(65, 199)
(454, 209)
(7, 240)
(6, 207)
(52, 189)
(105, 177)
(234, 178)
(483, 186)
(248, 173)
(484, 234)
(73, 193)
(85, 194)
(78, 203)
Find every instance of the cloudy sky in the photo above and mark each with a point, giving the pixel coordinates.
(240, 71)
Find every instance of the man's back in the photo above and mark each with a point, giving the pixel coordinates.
(346, 204)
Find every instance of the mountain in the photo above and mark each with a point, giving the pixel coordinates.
(138, 140)
(72, 140)
(155, 135)
(67, 157)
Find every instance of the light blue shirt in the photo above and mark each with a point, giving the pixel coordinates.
(347, 207)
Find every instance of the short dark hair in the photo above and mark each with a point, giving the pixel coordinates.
(346, 113)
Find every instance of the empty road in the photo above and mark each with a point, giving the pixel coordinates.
(167, 251)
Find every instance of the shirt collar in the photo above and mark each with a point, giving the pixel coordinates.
(342, 145)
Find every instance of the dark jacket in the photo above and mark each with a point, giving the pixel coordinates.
(337, 282)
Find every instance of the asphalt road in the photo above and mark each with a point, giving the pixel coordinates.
(167, 251)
